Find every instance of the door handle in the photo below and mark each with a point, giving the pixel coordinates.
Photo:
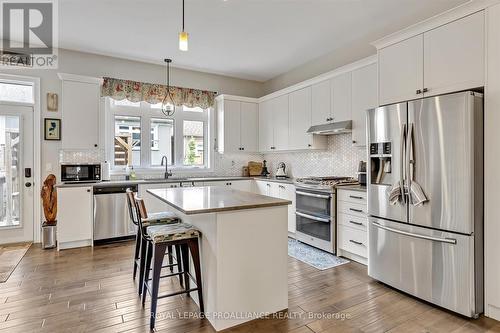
(410, 234)
(355, 223)
(311, 217)
(312, 195)
(27, 184)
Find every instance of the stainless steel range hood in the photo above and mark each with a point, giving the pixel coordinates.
(331, 128)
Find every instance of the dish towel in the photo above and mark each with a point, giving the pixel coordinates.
(417, 195)
(395, 194)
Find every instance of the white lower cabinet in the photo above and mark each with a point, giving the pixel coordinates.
(154, 205)
(75, 218)
(352, 221)
(281, 191)
(241, 185)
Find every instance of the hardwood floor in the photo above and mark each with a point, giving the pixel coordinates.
(85, 290)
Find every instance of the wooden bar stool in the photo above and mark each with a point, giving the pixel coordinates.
(140, 245)
(158, 238)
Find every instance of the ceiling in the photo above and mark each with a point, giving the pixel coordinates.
(251, 39)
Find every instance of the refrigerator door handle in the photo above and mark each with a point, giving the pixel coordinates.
(409, 158)
(401, 232)
(402, 164)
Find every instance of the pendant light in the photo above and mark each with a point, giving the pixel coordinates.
(167, 106)
(183, 36)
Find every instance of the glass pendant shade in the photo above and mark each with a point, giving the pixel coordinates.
(183, 41)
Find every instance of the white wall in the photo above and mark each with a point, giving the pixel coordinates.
(98, 66)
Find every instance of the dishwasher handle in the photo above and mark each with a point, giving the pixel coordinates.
(99, 190)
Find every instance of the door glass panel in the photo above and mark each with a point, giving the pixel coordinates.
(10, 171)
(313, 205)
(313, 228)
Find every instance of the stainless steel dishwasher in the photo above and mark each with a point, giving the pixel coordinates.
(111, 218)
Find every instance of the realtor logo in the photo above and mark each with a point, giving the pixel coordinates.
(29, 33)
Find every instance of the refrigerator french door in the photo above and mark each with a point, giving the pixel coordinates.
(435, 250)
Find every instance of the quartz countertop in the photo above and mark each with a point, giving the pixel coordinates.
(360, 188)
(276, 180)
(152, 181)
(212, 199)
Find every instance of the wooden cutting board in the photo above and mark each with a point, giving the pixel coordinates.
(254, 169)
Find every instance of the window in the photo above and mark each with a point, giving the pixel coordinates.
(127, 142)
(14, 92)
(182, 138)
(126, 102)
(162, 140)
(194, 142)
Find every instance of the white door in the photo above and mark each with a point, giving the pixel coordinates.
(321, 102)
(454, 56)
(300, 118)
(364, 97)
(401, 72)
(232, 130)
(16, 164)
(280, 122)
(249, 124)
(266, 133)
(341, 94)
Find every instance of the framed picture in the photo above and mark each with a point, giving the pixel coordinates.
(52, 129)
(52, 102)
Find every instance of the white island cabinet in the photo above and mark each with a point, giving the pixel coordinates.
(282, 191)
(75, 217)
(243, 250)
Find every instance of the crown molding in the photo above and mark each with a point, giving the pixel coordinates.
(325, 76)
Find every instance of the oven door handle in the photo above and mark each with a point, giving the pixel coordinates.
(306, 194)
(312, 217)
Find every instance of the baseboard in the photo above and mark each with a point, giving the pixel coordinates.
(493, 312)
(352, 256)
(73, 244)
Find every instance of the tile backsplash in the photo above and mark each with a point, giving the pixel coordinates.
(340, 159)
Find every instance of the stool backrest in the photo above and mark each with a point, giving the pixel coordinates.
(142, 214)
(132, 212)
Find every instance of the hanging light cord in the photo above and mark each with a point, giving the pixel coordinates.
(183, 15)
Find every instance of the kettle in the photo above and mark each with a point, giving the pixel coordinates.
(281, 171)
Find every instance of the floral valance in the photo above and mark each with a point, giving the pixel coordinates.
(155, 93)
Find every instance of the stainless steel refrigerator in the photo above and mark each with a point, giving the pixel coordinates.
(425, 199)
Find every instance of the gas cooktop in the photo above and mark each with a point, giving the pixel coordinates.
(324, 183)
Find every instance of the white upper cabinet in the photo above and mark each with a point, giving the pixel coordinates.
(80, 112)
(280, 122)
(300, 119)
(238, 124)
(341, 97)
(364, 97)
(454, 56)
(266, 130)
(249, 127)
(401, 73)
(321, 102)
(446, 59)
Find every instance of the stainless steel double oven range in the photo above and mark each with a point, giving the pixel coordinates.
(315, 211)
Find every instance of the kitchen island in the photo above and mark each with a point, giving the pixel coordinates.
(243, 250)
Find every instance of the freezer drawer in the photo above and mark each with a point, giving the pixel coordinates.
(436, 266)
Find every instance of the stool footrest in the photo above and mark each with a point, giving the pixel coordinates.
(178, 293)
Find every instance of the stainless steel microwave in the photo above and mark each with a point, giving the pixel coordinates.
(80, 173)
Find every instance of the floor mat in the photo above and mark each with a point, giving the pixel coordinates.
(312, 256)
(10, 256)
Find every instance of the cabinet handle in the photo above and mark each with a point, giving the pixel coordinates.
(355, 223)
(268, 184)
(355, 197)
(356, 210)
(242, 148)
(95, 145)
(354, 141)
(355, 242)
(309, 145)
(419, 91)
(425, 90)
(88, 190)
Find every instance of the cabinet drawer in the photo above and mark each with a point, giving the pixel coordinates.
(352, 196)
(355, 222)
(352, 208)
(353, 240)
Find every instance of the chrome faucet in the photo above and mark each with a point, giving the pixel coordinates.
(164, 161)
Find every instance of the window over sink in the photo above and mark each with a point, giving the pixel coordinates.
(139, 135)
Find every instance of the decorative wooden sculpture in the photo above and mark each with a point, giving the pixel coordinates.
(49, 199)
